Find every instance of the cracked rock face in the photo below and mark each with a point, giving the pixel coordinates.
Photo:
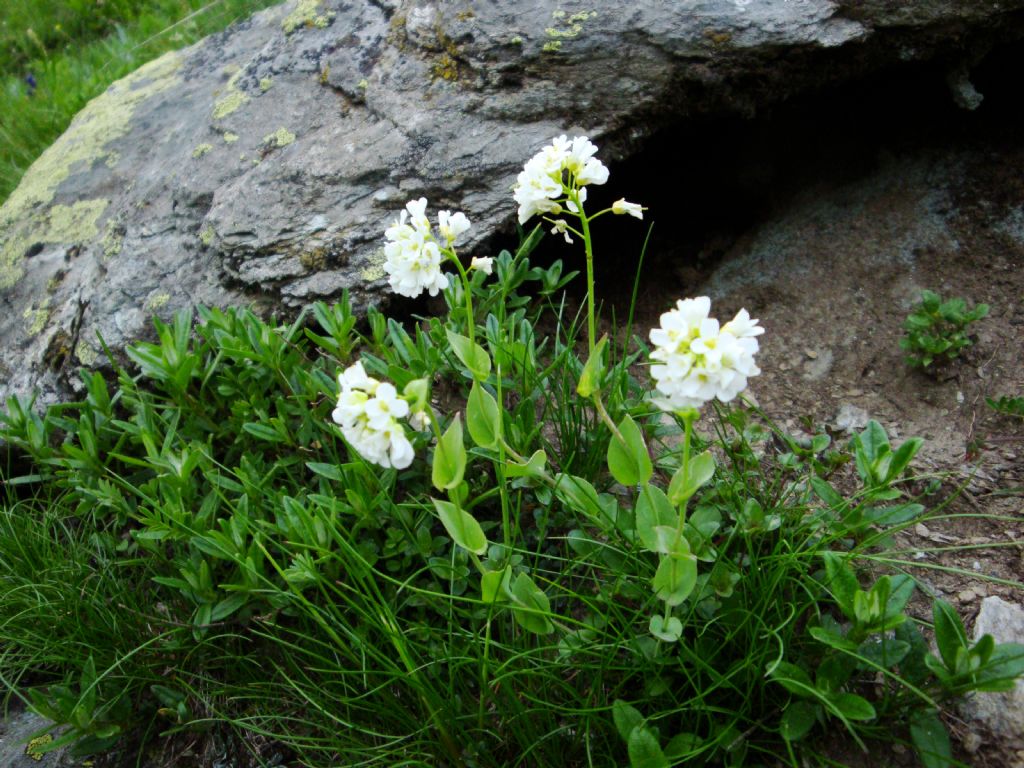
(261, 165)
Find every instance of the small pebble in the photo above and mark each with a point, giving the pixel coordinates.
(960, 397)
(920, 555)
(976, 565)
(811, 353)
(971, 742)
(855, 392)
(966, 596)
(922, 530)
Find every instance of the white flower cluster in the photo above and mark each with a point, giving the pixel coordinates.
(542, 184)
(697, 359)
(368, 412)
(412, 253)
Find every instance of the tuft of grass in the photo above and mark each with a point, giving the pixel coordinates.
(56, 55)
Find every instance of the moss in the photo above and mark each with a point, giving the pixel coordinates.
(230, 138)
(374, 270)
(201, 150)
(24, 218)
(282, 137)
(157, 300)
(445, 68)
(36, 317)
(265, 84)
(314, 259)
(516, 40)
(306, 14)
(232, 99)
(207, 233)
(552, 46)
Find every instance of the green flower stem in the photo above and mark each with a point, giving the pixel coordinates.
(588, 247)
(603, 413)
(470, 317)
(499, 469)
(688, 416)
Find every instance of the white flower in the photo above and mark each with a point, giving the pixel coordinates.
(633, 209)
(451, 225)
(412, 258)
(484, 263)
(543, 184)
(420, 421)
(697, 360)
(367, 412)
(561, 228)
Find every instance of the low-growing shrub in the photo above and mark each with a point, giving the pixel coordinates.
(461, 542)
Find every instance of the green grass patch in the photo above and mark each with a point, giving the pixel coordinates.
(56, 55)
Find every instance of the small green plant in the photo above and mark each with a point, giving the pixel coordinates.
(937, 329)
(1007, 405)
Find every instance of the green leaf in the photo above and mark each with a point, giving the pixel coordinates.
(472, 355)
(667, 630)
(886, 652)
(831, 639)
(681, 745)
(689, 478)
(263, 432)
(483, 417)
(644, 750)
(950, 635)
(330, 471)
(852, 707)
(629, 461)
(593, 372)
(842, 582)
(578, 494)
(495, 585)
(626, 717)
(931, 740)
(449, 458)
(797, 720)
(462, 527)
(228, 606)
(793, 679)
(534, 466)
(903, 456)
(532, 606)
(653, 510)
(676, 577)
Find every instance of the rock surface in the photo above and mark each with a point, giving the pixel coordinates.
(18, 748)
(260, 165)
(1003, 713)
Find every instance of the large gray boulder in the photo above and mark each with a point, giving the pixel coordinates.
(261, 165)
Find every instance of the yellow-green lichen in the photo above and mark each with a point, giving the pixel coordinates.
(87, 354)
(74, 223)
(566, 27)
(201, 150)
(113, 239)
(230, 138)
(265, 84)
(306, 14)
(282, 137)
(207, 233)
(552, 46)
(157, 300)
(112, 159)
(36, 317)
(24, 218)
(516, 40)
(34, 748)
(374, 270)
(232, 99)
